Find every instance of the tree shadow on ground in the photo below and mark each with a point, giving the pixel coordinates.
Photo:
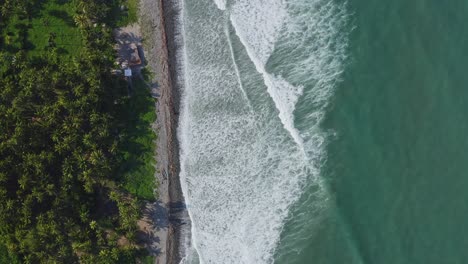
(62, 51)
(62, 2)
(64, 16)
(159, 215)
(23, 35)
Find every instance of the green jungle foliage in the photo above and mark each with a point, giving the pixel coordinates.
(61, 136)
(6, 257)
(137, 144)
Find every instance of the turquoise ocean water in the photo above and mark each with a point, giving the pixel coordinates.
(323, 131)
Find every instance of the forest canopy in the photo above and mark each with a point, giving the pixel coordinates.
(60, 196)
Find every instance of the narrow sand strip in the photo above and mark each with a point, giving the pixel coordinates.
(171, 223)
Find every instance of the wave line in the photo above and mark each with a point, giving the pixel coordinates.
(269, 80)
(236, 67)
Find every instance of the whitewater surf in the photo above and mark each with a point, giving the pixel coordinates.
(257, 76)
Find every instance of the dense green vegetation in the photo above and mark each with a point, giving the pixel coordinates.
(40, 26)
(6, 257)
(137, 151)
(130, 12)
(68, 188)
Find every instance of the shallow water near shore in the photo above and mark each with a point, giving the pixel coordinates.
(325, 131)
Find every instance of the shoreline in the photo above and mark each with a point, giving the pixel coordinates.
(169, 215)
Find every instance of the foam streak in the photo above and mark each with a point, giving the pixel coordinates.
(236, 67)
(244, 162)
(259, 47)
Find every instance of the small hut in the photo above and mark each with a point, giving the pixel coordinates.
(134, 55)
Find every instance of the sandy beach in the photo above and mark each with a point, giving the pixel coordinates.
(168, 215)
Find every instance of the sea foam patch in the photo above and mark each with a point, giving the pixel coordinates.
(258, 26)
(242, 167)
(221, 4)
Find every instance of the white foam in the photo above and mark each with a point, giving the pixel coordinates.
(259, 23)
(241, 170)
(258, 26)
(221, 4)
(187, 247)
(236, 67)
(285, 97)
(310, 27)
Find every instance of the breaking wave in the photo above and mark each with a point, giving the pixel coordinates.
(250, 66)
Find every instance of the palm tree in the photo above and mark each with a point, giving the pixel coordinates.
(82, 21)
